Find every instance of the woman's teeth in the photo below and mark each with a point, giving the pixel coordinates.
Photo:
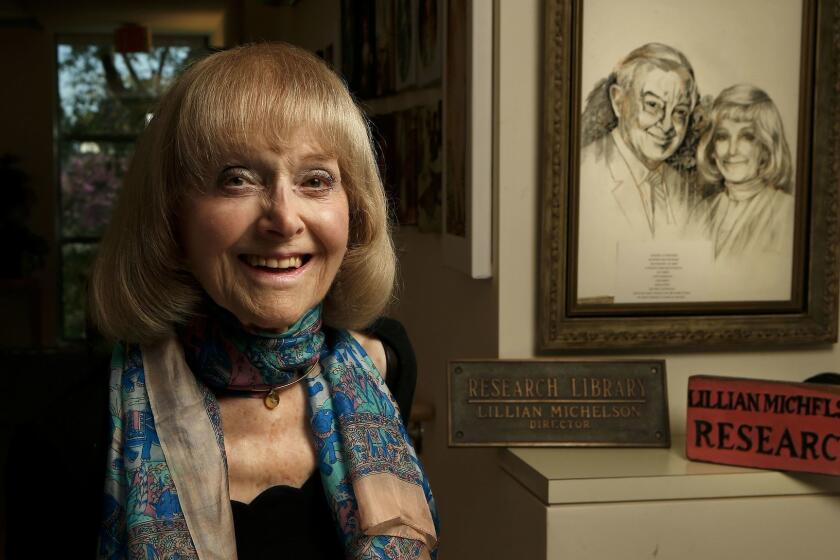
(289, 262)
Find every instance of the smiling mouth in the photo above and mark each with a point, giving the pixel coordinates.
(660, 141)
(734, 161)
(271, 264)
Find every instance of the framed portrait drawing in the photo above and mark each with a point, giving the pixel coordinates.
(691, 169)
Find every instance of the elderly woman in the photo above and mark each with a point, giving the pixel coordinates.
(251, 235)
(745, 150)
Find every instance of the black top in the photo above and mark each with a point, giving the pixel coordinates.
(286, 522)
(56, 471)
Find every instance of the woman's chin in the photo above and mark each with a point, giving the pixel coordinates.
(738, 176)
(272, 324)
(738, 181)
(272, 321)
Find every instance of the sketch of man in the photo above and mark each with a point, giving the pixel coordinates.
(634, 121)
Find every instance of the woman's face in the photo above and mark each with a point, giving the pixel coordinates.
(267, 235)
(737, 153)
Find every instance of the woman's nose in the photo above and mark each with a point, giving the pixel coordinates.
(283, 213)
(731, 147)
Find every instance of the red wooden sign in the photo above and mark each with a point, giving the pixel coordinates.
(764, 424)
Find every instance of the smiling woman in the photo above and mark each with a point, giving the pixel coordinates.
(267, 236)
(200, 128)
(745, 149)
(250, 234)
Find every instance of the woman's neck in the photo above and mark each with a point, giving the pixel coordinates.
(745, 190)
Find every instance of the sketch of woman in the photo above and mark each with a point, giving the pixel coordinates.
(745, 149)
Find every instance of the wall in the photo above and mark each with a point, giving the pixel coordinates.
(25, 102)
(311, 24)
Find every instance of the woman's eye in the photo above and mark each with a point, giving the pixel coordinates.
(235, 178)
(319, 181)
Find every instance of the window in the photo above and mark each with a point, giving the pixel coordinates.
(105, 99)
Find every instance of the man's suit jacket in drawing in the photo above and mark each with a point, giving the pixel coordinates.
(611, 209)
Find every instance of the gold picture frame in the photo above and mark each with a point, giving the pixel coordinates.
(807, 312)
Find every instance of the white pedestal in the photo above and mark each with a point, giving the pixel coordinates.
(588, 504)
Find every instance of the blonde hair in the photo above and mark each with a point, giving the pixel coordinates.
(747, 103)
(140, 288)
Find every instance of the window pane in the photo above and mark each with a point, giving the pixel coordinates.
(101, 91)
(91, 174)
(104, 101)
(76, 261)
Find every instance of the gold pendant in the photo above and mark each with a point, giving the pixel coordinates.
(272, 398)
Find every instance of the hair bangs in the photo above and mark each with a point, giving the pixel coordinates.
(737, 112)
(246, 101)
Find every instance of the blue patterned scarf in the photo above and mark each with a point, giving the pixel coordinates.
(372, 478)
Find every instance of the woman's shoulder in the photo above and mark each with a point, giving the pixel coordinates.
(400, 360)
(396, 360)
(783, 210)
(783, 199)
(375, 350)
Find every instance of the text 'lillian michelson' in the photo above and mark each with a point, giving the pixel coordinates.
(764, 424)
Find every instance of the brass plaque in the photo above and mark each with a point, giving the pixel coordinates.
(558, 403)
